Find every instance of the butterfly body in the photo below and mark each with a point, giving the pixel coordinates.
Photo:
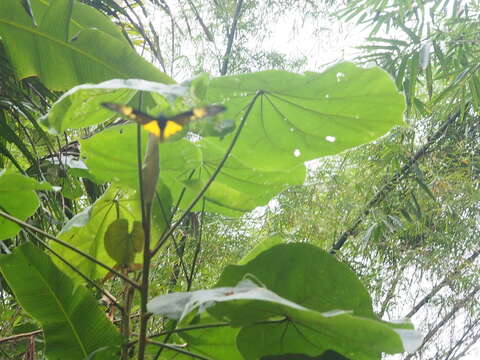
(161, 126)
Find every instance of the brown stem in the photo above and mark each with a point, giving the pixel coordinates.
(20, 336)
(148, 175)
(128, 298)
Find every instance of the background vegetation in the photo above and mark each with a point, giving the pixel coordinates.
(401, 212)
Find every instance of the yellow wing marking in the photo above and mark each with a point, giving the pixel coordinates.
(171, 128)
(199, 113)
(127, 110)
(153, 128)
(160, 126)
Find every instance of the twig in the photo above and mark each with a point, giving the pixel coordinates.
(462, 340)
(460, 304)
(197, 248)
(446, 280)
(207, 32)
(20, 336)
(177, 349)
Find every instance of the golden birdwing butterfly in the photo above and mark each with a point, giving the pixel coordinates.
(162, 126)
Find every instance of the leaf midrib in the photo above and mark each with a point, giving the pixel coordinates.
(77, 336)
(33, 31)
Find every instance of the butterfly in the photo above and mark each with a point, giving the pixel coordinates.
(162, 126)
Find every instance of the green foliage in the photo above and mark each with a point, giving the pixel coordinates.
(62, 58)
(307, 314)
(121, 244)
(74, 325)
(295, 281)
(282, 131)
(18, 198)
(86, 231)
(81, 106)
(275, 121)
(296, 118)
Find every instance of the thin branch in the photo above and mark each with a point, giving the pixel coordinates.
(139, 27)
(207, 32)
(461, 355)
(197, 248)
(212, 178)
(446, 280)
(391, 292)
(462, 340)
(230, 37)
(390, 184)
(459, 305)
(20, 336)
(179, 250)
(177, 349)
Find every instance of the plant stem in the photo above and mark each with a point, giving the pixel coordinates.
(167, 233)
(125, 326)
(178, 349)
(148, 174)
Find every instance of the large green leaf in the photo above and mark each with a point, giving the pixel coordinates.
(238, 188)
(307, 275)
(81, 106)
(83, 17)
(262, 246)
(315, 115)
(212, 342)
(296, 117)
(74, 326)
(111, 156)
(122, 244)
(18, 198)
(312, 333)
(87, 229)
(272, 325)
(63, 59)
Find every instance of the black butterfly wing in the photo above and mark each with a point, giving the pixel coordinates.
(160, 126)
(176, 123)
(149, 123)
(197, 113)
